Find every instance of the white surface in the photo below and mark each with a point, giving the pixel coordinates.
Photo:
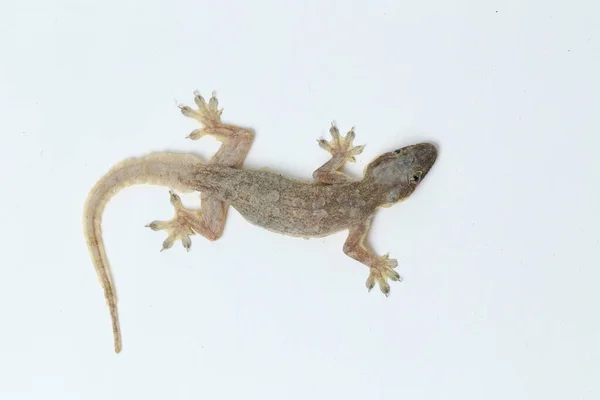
(499, 247)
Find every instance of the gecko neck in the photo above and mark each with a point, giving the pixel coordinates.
(383, 195)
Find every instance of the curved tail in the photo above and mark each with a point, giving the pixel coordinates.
(164, 169)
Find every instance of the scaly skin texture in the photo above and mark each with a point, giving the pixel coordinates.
(332, 203)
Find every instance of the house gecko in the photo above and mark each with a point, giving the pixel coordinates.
(332, 203)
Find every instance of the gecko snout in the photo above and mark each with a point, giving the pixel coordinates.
(418, 158)
(426, 154)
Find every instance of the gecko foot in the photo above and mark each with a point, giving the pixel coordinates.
(381, 271)
(341, 146)
(179, 228)
(208, 114)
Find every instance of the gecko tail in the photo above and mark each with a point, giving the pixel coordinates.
(162, 169)
(94, 207)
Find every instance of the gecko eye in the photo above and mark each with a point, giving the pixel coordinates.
(398, 151)
(416, 177)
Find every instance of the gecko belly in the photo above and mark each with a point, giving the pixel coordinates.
(291, 221)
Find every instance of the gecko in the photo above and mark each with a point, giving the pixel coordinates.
(331, 203)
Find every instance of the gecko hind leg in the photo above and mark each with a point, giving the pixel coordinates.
(184, 224)
(208, 114)
(236, 141)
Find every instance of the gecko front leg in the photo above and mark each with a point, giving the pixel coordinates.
(209, 221)
(381, 267)
(342, 151)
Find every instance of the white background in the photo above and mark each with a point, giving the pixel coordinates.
(499, 247)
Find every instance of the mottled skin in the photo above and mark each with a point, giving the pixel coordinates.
(332, 203)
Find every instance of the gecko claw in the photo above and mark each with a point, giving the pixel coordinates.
(157, 225)
(196, 134)
(370, 282)
(186, 241)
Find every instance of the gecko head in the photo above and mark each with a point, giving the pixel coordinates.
(399, 172)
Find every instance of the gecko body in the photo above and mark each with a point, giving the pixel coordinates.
(332, 203)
